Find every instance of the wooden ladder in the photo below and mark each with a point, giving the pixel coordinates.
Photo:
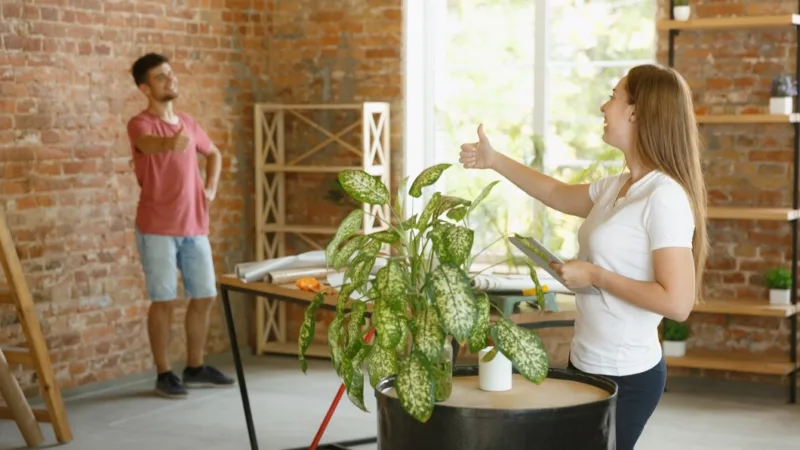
(15, 292)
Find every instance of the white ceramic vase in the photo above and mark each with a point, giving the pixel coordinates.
(674, 348)
(495, 375)
(780, 105)
(779, 296)
(681, 12)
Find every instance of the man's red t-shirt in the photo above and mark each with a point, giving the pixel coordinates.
(172, 200)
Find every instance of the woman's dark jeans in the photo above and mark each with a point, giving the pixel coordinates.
(638, 396)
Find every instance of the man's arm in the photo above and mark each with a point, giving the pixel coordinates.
(213, 170)
(150, 144)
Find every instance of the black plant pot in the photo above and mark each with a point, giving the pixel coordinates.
(583, 425)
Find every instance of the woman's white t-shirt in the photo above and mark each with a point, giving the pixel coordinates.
(612, 336)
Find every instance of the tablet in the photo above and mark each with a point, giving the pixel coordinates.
(534, 250)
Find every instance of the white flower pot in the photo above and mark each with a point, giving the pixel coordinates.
(780, 105)
(681, 12)
(495, 375)
(674, 348)
(779, 296)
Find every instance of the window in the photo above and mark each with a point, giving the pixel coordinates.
(535, 72)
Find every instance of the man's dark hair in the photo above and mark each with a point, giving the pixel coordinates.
(144, 64)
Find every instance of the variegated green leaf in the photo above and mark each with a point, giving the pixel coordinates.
(414, 387)
(482, 195)
(428, 177)
(388, 323)
(401, 345)
(428, 335)
(354, 327)
(307, 329)
(456, 245)
(489, 356)
(436, 235)
(361, 266)
(381, 363)
(391, 281)
(479, 335)
(341, 257)
(523, 347)
(454, 300)
(539, 291)
(399, 201)
(409, 223)
(364, 187)
(458, 213)
(527, 244)
(389, 236)
(427, 212)
(335, 346)
(344, 296)
(449, 202)
(354, 379)
(349, 226)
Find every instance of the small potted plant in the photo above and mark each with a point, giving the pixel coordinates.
(779, 282)
(681, 10)
(675, 335)
(782, 95)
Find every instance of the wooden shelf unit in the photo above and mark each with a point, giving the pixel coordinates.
(272, 163)
(752, 213)
(740, 306)
(747, 118)
(745, 307)
(730, 23)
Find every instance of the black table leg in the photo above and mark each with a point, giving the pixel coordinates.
(237, 360)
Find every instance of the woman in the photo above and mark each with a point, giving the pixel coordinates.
(643, 240)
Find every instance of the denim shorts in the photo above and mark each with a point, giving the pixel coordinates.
(162, 257)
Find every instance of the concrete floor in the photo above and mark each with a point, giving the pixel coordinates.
(288, 408)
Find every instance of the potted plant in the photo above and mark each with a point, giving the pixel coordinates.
(779, 282)
(681, 10)
(782, 95)
(420, 300)
(675, 335)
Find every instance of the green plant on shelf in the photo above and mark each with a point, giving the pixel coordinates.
(421, 298)
(778, 278)
(681, 3)
(675, 331)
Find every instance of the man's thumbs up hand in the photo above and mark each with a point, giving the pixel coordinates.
(179, 141)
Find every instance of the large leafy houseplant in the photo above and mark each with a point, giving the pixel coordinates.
(420, 299)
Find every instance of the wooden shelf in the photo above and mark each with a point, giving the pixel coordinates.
(731, 363)
(373, 170)
(745, 307)
(727, 23)
(748, 118)
(749, 213)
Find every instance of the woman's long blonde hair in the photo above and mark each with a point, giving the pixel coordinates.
(667, 139)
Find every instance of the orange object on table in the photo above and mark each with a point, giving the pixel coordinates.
(308, 284)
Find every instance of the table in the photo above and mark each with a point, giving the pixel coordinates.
(230, 283)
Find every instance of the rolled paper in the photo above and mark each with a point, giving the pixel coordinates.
(495, 375)
(257, 270)
(484, 282)
(287, 276)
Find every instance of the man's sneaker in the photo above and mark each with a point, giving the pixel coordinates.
(169, 385)
(205, 376)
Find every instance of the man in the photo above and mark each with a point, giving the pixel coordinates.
(172, 222)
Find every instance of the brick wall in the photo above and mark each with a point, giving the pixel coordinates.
(746, 165)
(347, 51)
(65, 97)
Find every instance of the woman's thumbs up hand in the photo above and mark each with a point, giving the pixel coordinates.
(477, 155)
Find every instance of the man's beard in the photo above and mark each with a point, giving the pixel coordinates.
(168, 97)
